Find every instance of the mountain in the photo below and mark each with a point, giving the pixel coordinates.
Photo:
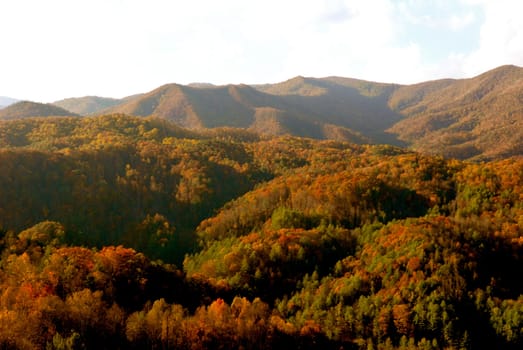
(201, 85)
(6, 101)
(87, 105)
(359, 105)
(337, 108)
(479, 118)
(25, 109)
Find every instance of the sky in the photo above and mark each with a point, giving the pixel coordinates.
(56, 49)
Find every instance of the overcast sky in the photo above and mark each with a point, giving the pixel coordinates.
(55, 49)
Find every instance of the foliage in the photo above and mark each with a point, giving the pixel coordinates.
(476, 119)
(285, 242)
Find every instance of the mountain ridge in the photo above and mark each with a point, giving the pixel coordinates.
(478, 118)
(300, 106)
(27, 109)
(87, 105)
(430, 116)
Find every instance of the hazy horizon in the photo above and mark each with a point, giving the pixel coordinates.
(59, 49)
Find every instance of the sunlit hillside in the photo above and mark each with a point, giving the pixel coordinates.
(475, 119)
(131, 232)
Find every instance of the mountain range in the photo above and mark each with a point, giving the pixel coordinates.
(479, 118)
(26, 109)
(87, 105)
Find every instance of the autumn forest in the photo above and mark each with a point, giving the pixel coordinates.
(122, 232)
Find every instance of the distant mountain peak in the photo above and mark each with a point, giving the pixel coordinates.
(87, 105)
(26, 109)
(474, 118)
(201, 85)
(506, 67)
(298, 85)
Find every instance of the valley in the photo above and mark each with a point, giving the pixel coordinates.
(313, 213)
(132, 232)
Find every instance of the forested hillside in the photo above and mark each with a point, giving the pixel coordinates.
(87, 105)
(479, 118)
(131, 233)
(26, 109)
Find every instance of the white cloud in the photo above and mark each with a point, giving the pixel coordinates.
(61, 48)
(437, 15)
(501, 37)
(361, 43)
(456, 22)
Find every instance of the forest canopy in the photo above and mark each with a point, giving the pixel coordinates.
(124, 232)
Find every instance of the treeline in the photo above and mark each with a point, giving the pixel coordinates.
(276, 243)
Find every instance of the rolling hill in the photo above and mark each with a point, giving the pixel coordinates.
(120, 232)
(26, 109)
(87, 105)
